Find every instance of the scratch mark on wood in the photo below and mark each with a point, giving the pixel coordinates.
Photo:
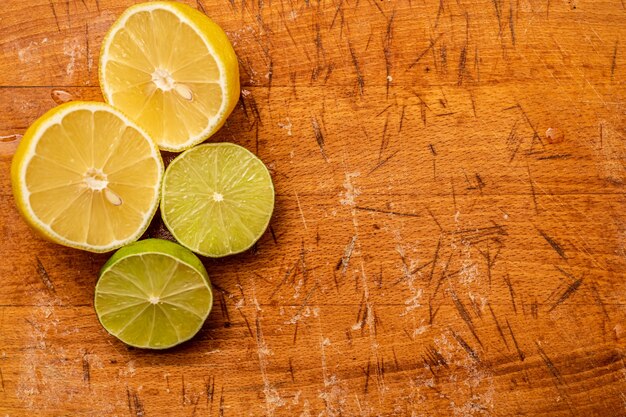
(285, 278)
(433, 359)
(209, 388)
(557, 156)
(396, 213)
(337, 10)
(375, 3)
(553, 243)
(137, 405)
(383, 162)
(434, 165)
(456, 210)
(355, 62)
(86, 370)
(423, 107)
(182, 390)
(54, 13)
(273, 235)
(534, 309)
(271, 395)
(512, 140)
(255, 109)
(295, 333)
(550, 365)
(434, 262)
(477, 64)
(464, 315)
(511, 23)
(291, 372)
(480, 234)
(463, 54)
(347, 254)
(43, 275)
(224, 310)
(406, 275)
(471, 94)
(401, 118)
(614, 61)
(470, 352)
(521, 354)
(598, 300)
(245, 319)
(443, 54)
(329, 71)
(130, 404)
(88, 50)
(270, 77)
(222, 402)
(367, 377)
(425, 51)
(319, 47)
(432, 314)
(306, 300)
(1, 380)
(300, 210)
(443, 275)
(491, 261)
(439, 12)
(395, 358)
(319, 136)
(67, 13)
(387, 51)
(569, 291)
(195, 402)
(532, 190)
(496, 5)
(507, 281)
(495, 319)
(384, 140)
(200, 6)
(385, 109)
(434, 219)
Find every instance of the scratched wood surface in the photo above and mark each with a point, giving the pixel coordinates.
(450, 229)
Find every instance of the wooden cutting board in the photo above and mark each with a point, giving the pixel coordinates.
(450, 230)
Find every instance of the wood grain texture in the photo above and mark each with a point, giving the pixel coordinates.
(450, 229)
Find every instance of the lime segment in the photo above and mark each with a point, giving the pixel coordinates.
(217, 199)
(153, 294)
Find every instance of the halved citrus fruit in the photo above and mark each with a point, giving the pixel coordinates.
(217, 199)
(171, 69)
(153, 294)
(87, 177)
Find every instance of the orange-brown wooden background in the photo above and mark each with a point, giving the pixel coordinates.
(450, 230)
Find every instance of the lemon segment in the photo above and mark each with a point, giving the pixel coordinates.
(87, 177)
(171, 69)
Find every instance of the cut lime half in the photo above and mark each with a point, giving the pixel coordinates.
(153, 294)
(217, 199)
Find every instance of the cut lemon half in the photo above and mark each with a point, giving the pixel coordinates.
(87, 177)
(153, 294)
(171, 69)
(217, 199)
